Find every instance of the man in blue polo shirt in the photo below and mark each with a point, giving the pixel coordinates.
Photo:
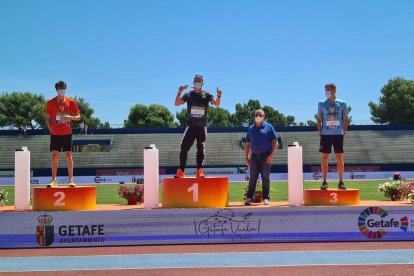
(261, 141)
(332, 127)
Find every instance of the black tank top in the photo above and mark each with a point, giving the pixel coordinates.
(197, 107)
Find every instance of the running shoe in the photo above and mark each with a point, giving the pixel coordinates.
(180, 174)
(341, 186)
(52, 184)
(200, 173)
(324, 186)
(72, 184)
(248, 201)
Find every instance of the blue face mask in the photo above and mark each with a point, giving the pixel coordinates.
(198, 85)
(328, 94)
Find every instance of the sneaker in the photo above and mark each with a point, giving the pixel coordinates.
(341, 186)
(52, 184)
(72, 184)
(180, 174)
(324, 185)
(266, 202)
(248, 201)
(200, 173)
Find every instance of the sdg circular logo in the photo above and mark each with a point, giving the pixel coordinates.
(374, 221)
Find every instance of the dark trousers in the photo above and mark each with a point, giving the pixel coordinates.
(191, 134)
(258, 165)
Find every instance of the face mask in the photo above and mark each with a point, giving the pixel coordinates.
(328, 94)
(197, 85)
(258, 119)
(61, 92)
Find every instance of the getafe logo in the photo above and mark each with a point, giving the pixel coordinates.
(45, 230)
(373, 221)
(225, 224)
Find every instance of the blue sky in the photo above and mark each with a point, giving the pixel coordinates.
(119, 53)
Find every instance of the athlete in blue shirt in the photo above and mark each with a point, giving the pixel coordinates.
(332, 127)
(261, 141)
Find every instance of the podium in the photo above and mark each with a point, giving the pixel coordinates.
(64, 198)
(315, 197)
(295, 174)
(211, 192)
(22, 179)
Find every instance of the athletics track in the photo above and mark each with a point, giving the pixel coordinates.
(358, 258)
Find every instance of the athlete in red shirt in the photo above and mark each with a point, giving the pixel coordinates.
(60, 110)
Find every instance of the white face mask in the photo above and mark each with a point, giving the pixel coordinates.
(198, 85)
(258, 119)
(61, 92)
(328, 94)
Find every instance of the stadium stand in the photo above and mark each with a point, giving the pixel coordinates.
(222, 148)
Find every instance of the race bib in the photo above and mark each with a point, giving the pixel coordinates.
(59, 119)
(197, 112)
(332, 124)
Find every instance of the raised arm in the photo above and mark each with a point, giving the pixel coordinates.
(216, 101)
(178, 100)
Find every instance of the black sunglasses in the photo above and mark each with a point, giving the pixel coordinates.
(258, 115)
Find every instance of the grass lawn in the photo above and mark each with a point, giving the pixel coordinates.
(107, 193)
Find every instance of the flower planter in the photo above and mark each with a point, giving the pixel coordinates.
(258, 197)
(133, 194)
(397, 189)
(132, 199)
(258, 194)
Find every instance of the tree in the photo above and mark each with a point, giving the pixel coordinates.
(153, 115)
(86, 113)
(105, 125)
(182, 117)
(244, 113)
(349, 117)
(396, 106)
(276, 118)
(290, 120)
(217, 117)
(22, 109)
(273, 116)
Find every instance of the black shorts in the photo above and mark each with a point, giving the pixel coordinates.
(327, 141)
(61, 142)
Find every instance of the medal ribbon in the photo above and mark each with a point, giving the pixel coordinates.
(62, 105)
(332, 107)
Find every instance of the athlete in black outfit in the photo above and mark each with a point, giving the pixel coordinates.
(197, 105)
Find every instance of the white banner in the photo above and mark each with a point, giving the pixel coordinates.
(205, 225)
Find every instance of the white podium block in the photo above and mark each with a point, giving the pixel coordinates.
(22, 180)
(151, 177)
(295, 174)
